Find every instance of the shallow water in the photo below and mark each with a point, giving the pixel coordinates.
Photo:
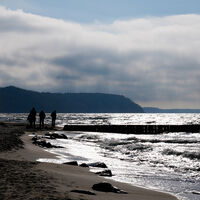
(111, 118)
(167, 162)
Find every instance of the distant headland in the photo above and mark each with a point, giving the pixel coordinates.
(17, 100)
(159, 110)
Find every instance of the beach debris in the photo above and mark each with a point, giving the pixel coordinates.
(98, 164)
(83, 192)
(83, 165)
(107, 173)
(43, 143)
(196, 192)
(56, 136)
(107, 187)
(74, 163)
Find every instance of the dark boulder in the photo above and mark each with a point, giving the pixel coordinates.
(56, 136)
(83, 165)
(35, 138)
(107, 173)
(98, 164)
(107, 187)
(49, 136)
(74, 163)
(43, 143)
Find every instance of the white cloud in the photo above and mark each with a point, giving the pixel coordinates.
(154, 61)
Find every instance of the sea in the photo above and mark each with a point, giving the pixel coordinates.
(168, 162)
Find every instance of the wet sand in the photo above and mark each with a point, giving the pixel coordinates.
(23, 178)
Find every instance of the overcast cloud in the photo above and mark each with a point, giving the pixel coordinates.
(153, 61)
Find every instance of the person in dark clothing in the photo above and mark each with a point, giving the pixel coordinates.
(53, 116)
(33, 113)
(42, 117)
(32, 117)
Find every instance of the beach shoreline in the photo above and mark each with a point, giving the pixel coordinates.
(65, 178)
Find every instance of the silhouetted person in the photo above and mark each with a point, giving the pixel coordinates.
(53, 116)
(42, 117)
(32, 117)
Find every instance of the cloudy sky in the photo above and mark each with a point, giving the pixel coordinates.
(147, 50)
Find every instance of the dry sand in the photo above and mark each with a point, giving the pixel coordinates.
(31, 180)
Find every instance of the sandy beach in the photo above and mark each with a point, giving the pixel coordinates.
(24, 178)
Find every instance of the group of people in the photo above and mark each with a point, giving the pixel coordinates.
(32, 118)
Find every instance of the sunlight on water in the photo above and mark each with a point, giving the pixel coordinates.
(111, 118)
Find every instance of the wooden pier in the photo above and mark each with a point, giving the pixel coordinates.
(134, 129)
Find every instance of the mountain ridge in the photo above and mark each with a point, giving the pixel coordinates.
(14, 99)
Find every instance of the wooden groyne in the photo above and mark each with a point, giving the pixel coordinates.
(134, 129)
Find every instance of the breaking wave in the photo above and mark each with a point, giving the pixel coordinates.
(170, 141)
(185, 154)
(88, 137)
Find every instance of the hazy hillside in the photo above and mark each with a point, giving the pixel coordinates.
(14, 99)
(158, 110)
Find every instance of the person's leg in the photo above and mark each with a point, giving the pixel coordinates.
(34, 123)
(42, 123)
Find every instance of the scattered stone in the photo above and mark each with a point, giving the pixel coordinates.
(49, 136)
(195, 192)
(83, 192)
(98, 164)
(64, 136)
(74, 163)
(56, 136)
(83, 165)
(107, 187)
(42, 143)
(35, 138)
(107, 173)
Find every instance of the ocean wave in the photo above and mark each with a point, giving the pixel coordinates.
(139, 147)
(90, 138)
(171, 141)
(125, 147)
(115, 142)
(186, 154)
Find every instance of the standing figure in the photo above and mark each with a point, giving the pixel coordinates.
(32, 117)
(53, 116)
(42, 117)
(33, 113)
